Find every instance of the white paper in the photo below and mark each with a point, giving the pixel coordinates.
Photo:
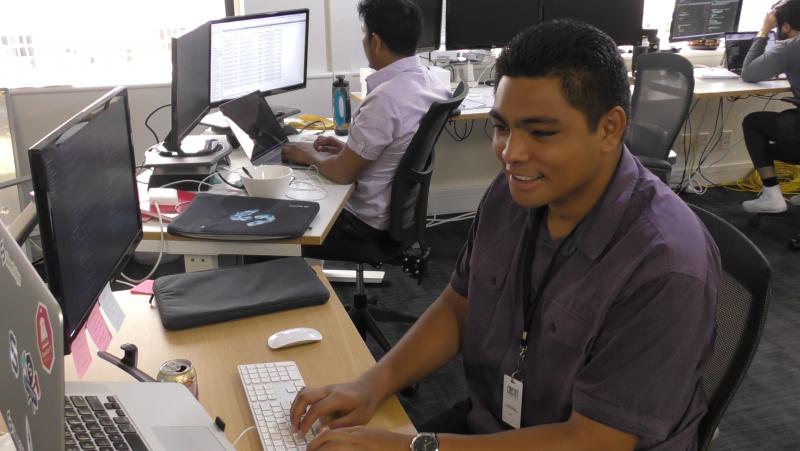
(111, 308)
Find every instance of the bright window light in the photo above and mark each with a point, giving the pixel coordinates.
(94, 42)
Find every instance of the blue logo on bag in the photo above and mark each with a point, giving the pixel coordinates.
(252, 218)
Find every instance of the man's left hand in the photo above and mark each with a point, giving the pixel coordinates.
(299, 153)
(359, 438)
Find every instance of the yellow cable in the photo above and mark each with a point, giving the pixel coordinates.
(788, 177)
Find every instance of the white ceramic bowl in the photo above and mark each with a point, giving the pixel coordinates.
(268, 180)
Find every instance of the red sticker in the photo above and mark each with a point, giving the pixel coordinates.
(44, 338)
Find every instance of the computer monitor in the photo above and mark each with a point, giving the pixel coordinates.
(189, 86)
(700, 19)
(620, 19)
(431, 11)
(260, 52)
(88, 206)
(483, 24)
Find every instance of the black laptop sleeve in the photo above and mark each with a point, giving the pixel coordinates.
(216, 216)
(205, 297)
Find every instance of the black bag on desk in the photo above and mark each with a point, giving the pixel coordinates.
(205, 297)
(216, 216)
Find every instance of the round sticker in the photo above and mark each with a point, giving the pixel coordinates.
(13, 353)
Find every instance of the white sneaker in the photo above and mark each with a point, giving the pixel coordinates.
(769, 201)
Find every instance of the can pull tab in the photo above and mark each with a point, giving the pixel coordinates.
(128, 362)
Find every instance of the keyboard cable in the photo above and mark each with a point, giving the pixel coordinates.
(241, 435)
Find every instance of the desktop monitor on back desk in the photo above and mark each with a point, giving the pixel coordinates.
(620, 19)
(88, 204)
(699, 19)
(483, 24)
(431, 11)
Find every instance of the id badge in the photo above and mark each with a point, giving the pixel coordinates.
(512, 401)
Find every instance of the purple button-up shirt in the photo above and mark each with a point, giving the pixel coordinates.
(397, 97)
(623, 330)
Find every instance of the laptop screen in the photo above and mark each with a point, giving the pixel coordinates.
(737, 44)
(255, 117)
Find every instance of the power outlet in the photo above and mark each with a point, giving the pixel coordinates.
(725, 139)
(702, 140)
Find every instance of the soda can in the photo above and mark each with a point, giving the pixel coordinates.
(181, 371)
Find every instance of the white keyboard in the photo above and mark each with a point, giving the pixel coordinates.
(270, 389)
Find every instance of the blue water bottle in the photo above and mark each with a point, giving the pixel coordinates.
(341, 105)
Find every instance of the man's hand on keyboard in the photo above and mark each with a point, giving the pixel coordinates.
(359, 438)
(343, 404)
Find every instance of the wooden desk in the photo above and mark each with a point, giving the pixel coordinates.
(202, 254)
(216, 349)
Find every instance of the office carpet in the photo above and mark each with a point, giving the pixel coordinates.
(763, 415)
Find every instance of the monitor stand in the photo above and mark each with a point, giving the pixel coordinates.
(190, 166)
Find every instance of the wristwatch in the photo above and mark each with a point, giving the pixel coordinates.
(425, 441)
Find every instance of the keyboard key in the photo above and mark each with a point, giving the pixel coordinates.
(78, 401)
(94, 403)
(135, 442)
(126, 428)
(122, 420)
(87, 445)
(116, 438)
(121, 446)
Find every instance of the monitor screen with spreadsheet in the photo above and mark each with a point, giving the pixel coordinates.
(261, 52)
(699, 19)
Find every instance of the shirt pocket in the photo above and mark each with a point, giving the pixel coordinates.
(567, 328)
(485, 290)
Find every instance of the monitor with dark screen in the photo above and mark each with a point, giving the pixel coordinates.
(484, 24)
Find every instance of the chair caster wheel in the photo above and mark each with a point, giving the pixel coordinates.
(794, 244)
(755, 221)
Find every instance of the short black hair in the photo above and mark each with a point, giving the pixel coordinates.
(397, 22)
(593, 76)
(788, 12)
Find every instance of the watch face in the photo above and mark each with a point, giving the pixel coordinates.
(426, 442)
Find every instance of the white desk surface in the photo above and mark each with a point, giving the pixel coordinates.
(329, 210)
(703, 89)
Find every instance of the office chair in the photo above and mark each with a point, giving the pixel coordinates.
(741, 314)
(662, 95)
(408, 209)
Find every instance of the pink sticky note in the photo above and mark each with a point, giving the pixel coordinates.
(98, 329)
(81, 356)
(145, 287)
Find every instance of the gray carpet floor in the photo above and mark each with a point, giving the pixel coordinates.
(764, 415)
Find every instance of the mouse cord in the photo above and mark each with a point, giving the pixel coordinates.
(242, 435)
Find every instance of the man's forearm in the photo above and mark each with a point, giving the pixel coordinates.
(430, 343)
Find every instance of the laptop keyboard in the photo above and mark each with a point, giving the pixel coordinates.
(98, 423)
(270, 389)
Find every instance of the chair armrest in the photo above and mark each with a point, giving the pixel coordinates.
(454, 113)
(793, 100)
(654, 163)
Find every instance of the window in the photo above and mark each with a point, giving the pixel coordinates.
(94, 42)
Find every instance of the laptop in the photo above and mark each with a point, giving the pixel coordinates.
(37, 405)
(737, 44)
(256, 128)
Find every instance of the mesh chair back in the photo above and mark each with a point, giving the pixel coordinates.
(741, 313)
(661, 99)
(409, 202)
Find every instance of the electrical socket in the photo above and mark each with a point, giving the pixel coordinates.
(725, 139)
(702, 140)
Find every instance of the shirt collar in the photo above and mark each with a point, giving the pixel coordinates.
(388, 72)
(595, 232)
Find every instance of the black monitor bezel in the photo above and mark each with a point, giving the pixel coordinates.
(672, 26)
(52, 261)
(449, 45)
(438, 32)
(634, 39)
(174, 138)
(271, 92)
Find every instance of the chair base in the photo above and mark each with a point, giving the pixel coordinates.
(366, 318)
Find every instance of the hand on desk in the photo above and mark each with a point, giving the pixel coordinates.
(359, 438)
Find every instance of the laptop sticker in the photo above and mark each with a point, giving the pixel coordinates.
(44, 338)
(252, 218)
(30, 381)
(98, 329)
(28, 434)
(12, 429)
(13, 353)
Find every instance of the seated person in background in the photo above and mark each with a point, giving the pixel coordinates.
(398, 95)
(584, 298)
(770, 135)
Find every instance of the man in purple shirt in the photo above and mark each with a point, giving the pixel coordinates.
(398, 96)
(583, 301)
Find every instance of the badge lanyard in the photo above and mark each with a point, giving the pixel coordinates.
(530, 302)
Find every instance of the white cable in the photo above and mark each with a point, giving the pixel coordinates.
(239, 437)
(126, 283)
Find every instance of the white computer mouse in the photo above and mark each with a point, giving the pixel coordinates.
(293, 337)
